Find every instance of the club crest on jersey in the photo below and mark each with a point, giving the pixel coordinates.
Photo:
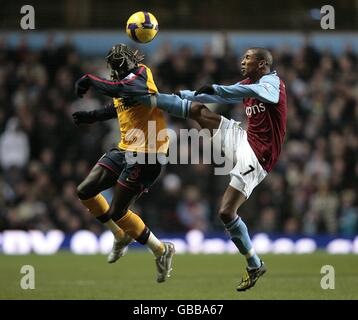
(254, 109)
(130, 76)
(122, 107)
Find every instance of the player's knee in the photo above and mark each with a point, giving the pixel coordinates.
(81, 192)
(116, 213)
(84, 191)
(196, 110)
(226, 215)
(200, 113)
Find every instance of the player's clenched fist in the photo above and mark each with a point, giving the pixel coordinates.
(83, 117)
(207, 89)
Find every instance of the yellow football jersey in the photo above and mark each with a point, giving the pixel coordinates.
(142, 129)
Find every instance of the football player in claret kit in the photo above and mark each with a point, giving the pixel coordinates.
(254, 151)
(119, 167)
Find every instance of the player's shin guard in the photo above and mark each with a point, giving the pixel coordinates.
(240, 236)
(98, 206)
(133, 225)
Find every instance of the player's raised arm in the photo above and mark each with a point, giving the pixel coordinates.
(133, 83)
(107, 113)
(261, 83)
(267, 90)
(128, 77)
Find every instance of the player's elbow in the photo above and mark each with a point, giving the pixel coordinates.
(273, 98)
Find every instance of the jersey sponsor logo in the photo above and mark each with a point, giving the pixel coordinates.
(254, 109)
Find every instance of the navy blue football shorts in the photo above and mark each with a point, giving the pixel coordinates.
(137, 172)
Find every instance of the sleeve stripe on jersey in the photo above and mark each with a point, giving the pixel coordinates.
(117, 82)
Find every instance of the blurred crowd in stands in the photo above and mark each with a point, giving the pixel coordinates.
(43, 155)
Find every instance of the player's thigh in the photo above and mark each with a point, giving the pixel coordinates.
(140, 177)
(103, 177)
(107, 170)
(133, 181)
(99, 179)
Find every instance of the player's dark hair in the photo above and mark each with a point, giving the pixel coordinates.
(122, 58)
(263, 54)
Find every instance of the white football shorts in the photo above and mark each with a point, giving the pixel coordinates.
(247, 172)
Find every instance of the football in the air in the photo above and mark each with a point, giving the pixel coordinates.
(142, 26)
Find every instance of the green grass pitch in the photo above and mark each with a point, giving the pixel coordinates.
(207, 277)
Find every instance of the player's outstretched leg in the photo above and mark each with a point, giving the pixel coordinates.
(164, 262)
(120, 248)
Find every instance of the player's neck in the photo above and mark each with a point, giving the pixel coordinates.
(256, 77)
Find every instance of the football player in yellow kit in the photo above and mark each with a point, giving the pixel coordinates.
(137, 162)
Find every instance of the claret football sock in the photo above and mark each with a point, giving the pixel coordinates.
(240, 236)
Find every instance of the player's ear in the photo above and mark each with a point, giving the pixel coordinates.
(262, 63)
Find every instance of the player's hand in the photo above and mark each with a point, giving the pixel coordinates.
(81, 86)
(207, 89)
(82, 117)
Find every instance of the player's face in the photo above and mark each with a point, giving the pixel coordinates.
(249, 64)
